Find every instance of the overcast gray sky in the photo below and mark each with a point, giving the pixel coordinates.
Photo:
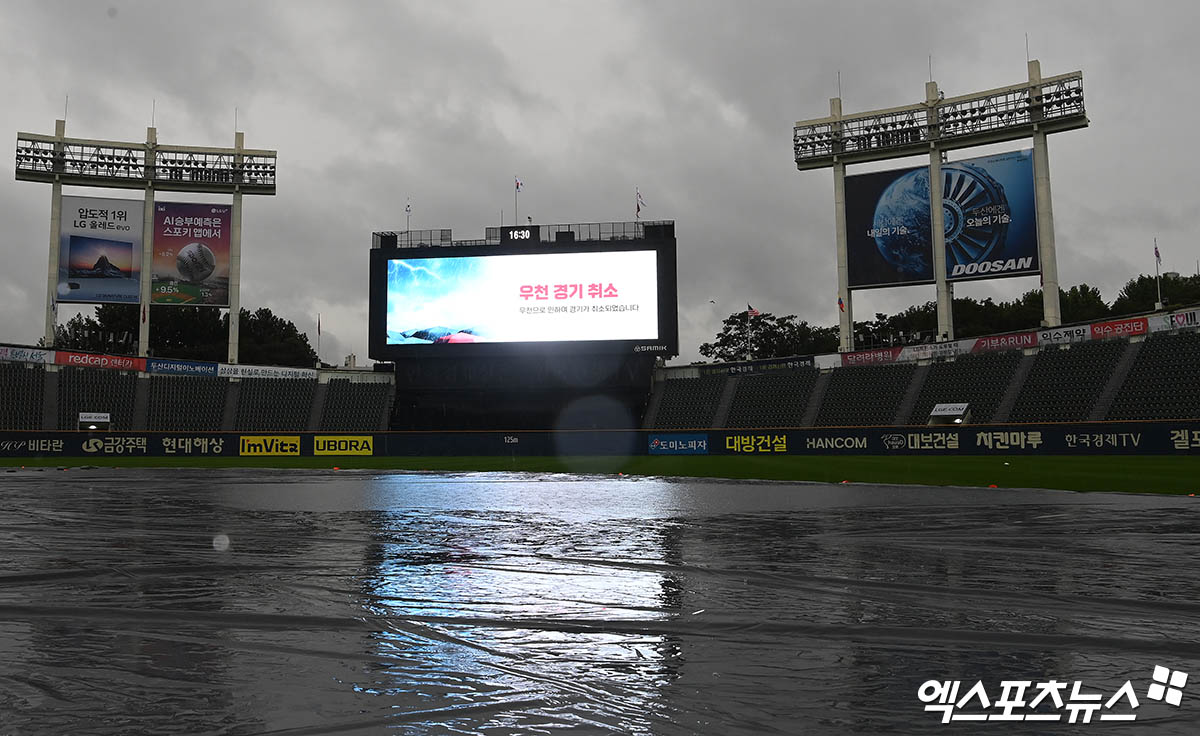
(370, 103)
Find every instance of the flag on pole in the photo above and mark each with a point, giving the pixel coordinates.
(841, 305)
(318, 324)
(1157, 257)
(519, 183)
(639, 205)
(751, 311)
(408, 208)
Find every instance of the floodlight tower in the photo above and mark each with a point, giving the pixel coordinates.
(1031, 109)
(58, 160)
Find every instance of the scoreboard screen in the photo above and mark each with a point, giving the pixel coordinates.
(585, 297)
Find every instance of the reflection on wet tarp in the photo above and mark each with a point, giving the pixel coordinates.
(257, 601)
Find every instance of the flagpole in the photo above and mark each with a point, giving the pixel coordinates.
(1157, 279)
(318, 339)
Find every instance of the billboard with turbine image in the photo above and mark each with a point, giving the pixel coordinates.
(990, 222)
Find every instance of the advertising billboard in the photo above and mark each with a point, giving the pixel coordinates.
(100, 250)
(990, 222)
(479, 300)
(191, 254)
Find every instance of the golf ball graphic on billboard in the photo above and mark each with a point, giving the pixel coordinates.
(191, 254)
(989, 222)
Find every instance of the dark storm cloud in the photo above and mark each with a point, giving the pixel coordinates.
(370, 103)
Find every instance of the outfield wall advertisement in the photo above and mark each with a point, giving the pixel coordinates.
(990, 222)
(1085, 438)
(191, 254)
(100, 250)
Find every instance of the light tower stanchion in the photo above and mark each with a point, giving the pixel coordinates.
(60, 132)
(235, 259)
(937, 224)
(1051, 309)
(147, 251)
(846, 312)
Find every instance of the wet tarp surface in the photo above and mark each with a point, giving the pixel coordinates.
(310, 602)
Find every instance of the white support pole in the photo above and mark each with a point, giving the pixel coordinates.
(60, 132)
(845, 316)
(147, 250)
(1052, 312)
(937, 228)
(235, 255)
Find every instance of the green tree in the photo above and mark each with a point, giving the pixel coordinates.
(1082, 303)
(270, 340)
(764, 335)
(1140, 294)
(189, 333)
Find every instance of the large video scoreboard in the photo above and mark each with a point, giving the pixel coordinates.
(525, 295)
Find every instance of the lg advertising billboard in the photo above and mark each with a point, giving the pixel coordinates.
(100, 250)
(481, 300)
(990, 222)
(191, 254)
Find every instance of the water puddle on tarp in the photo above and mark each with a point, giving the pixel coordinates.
(311, 602)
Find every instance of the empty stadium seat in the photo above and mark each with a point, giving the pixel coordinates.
(96, 390)
(353, 406)
(275, 404)
(776, 399)
(187, 403)
(866, 395)
(1161, 383)
(978, 379)
(689, 403)
(1064, 383)
(21, 395)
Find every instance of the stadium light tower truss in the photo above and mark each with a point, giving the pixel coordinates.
(1031, 109)
(149, 166)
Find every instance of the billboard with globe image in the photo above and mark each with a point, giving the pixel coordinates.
(100, 250)
(191, 254)
(990, 222)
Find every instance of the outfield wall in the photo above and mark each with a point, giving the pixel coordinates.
(1090, 438)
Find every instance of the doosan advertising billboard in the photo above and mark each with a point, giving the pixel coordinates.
(989, 215)
(100, 250)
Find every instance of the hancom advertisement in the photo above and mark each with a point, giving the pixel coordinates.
(990, 222)
(100, 250)
(191, 254)
(530, 297)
